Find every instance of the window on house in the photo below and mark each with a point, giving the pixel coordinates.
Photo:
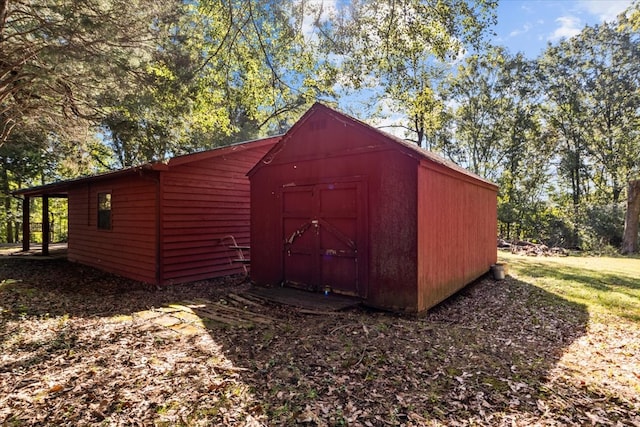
(104, 211)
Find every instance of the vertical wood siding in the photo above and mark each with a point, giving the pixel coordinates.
(430, 228)
(202, 202)
(324, 150)
(457, 229)
(392, 232)
(128, 248)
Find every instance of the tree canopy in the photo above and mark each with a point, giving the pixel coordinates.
(89, 85)
(69, 60)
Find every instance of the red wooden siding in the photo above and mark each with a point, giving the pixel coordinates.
(128, 248)
(322, 152)
(392, 232)
(457, 229)
(202, 202)
(167, 220)
(422, 227)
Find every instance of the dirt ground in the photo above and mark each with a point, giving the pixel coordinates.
(82, 347)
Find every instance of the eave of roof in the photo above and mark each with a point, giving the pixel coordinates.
(221, 151)
(60, 188)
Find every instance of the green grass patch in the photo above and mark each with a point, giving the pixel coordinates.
(606, 285)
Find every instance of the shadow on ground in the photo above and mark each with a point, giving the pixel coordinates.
(615, 293)
(485, 356)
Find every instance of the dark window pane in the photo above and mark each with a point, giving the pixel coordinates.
(104, 211)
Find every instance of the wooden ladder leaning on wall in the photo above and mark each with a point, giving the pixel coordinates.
(241, 259)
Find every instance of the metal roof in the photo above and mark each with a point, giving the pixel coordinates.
(60, 188)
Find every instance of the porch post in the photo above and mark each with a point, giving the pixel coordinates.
(45, 225)
(26, 227)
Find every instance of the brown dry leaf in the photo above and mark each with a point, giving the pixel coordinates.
(498, 353)
(56, 388)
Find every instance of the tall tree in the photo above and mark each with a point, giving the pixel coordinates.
(233, 69)
(394, 47)
(592, 88)
(474, 92)
(566, 112)
(494, 109)
(632, 217)
(611, 77)
(494, 100)
(63, 59)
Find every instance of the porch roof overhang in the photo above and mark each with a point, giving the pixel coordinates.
(61, 188)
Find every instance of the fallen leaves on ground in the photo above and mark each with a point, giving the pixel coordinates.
(80, 347)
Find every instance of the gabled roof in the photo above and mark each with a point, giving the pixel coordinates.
(221, 151)
(406, 147)
(60, 188)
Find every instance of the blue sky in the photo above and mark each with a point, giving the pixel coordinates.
(526, 26)
(529, 25)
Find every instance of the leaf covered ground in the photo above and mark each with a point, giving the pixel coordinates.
(82, 347)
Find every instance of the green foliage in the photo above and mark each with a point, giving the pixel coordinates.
(229, 70)
(602, 226)
(592, 87)
(397, 48)
(495, 115)
(64, 61)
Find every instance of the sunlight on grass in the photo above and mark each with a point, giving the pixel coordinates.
(606, 285)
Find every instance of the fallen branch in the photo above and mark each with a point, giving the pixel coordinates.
(524, 247)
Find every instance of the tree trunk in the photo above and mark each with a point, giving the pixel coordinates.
(7, 203)
(630, 236)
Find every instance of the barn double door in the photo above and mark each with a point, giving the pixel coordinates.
(323, 237)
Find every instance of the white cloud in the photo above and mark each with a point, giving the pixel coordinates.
(605, 10)
(525, 29)
(526, 8)
(317, 9)
(569, 27)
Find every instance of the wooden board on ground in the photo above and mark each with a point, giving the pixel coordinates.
(302, 299)
(223, 313)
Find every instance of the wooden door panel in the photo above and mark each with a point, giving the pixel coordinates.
(340, 274)
(322, 231)
(338, 200)
(299, 235)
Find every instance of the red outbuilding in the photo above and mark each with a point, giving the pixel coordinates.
(339, 206)
(160, 223)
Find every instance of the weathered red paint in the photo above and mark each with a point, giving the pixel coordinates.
(203, 200)
(169, 222)
(338, 204)
(128, 248)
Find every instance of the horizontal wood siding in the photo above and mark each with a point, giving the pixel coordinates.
(129, 248)
(456, 233)
(202, 203)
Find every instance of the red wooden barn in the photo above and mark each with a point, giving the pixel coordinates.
(337, 204)
(161, 223)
